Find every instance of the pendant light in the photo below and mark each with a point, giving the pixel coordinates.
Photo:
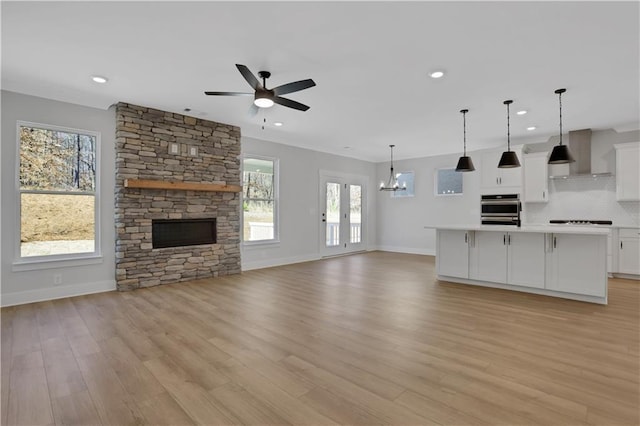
(560, 153)
(509, 158)
(392, 185)
(464, 163)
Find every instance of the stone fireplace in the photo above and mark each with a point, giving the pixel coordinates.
(192, 158)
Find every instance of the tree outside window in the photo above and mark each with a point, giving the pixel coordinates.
(57, 192)
(259, 191)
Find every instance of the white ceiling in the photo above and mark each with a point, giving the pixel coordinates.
(369, 60)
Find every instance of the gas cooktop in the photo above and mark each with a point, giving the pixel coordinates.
(580, 222)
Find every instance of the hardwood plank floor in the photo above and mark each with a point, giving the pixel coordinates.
(370, 339)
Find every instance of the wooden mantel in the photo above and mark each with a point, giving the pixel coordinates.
(180, 186)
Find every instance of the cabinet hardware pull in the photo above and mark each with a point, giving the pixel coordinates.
(509, 240)
(554, 242)
(504, 239)
(620, 245)
(465, 237)
(543, 194)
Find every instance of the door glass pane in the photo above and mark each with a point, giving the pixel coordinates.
(333, 214)
(355, 213)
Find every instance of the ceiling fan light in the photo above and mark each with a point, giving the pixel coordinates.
(508, 160)
(561, 155)
(263, 101)
(465, 164)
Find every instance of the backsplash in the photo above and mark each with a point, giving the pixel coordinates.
(583, 198)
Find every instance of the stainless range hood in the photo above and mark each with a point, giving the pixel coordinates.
(580, 147)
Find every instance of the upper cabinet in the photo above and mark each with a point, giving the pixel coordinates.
(536, 177)
(495, 180)
(628, 171)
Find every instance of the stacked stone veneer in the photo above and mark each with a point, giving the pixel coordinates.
(143, 136)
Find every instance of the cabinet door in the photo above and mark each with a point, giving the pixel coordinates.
(452, 254)
(488, 258)
(489, 171)
(526, 259)
(628, 172)
(629, 254)
(511, 177)
(577, 264)
(536, 179)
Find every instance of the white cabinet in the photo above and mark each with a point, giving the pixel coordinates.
(526, 259)
(577, 264)
(535, 177)
(516, 258)
(628, 171)
(452, 257)
(488, 259)
(629, 251)
(495, 180)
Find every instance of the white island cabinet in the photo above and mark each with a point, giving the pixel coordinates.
(568, 262)
(453, 245)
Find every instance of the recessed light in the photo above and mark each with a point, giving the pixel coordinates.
(522, 112)
(530, 128)
(278, 123)
(99, 79)
(436, 74)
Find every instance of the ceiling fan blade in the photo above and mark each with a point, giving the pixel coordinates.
(248, 75)
(289, 103)
(253, 110)
(228, 93)
(293, 87)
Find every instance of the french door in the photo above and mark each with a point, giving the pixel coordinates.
(342, 214)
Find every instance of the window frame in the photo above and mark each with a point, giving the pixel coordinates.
(436, 180)
(56, 260)
(276, 202)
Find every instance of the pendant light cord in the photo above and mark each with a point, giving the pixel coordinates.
(508, 129)
(560, 102)
(464, 126)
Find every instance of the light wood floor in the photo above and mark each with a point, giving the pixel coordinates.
(363, 339)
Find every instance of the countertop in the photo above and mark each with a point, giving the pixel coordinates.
(558, 229)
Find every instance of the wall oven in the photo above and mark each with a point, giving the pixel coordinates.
(502, 209)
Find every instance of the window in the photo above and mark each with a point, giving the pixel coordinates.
(57, 192)
(448, 182)
(260, 198)
(405, 180)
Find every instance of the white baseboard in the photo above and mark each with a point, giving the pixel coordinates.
(409, 250)
(268, 263)
(58, 292)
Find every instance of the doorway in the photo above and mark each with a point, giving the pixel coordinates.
(342, 211)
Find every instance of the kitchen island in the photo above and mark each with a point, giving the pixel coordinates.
(561, 261)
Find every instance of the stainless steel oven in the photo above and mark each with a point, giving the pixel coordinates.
(501, 209)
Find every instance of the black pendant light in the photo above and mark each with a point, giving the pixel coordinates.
(509, 158)
(560, 153)
(464, 163)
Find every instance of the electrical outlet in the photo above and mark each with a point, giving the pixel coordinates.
(193, 151)
(174, 148)
(57, 279)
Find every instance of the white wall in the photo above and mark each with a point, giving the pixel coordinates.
(33, 285)
(300, 215)
(402, 221)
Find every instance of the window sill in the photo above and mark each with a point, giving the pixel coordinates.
(260, 244)
(63, 262)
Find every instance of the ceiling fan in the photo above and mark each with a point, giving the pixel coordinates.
(265, 98)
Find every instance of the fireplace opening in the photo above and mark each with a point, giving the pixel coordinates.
(183, 232)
